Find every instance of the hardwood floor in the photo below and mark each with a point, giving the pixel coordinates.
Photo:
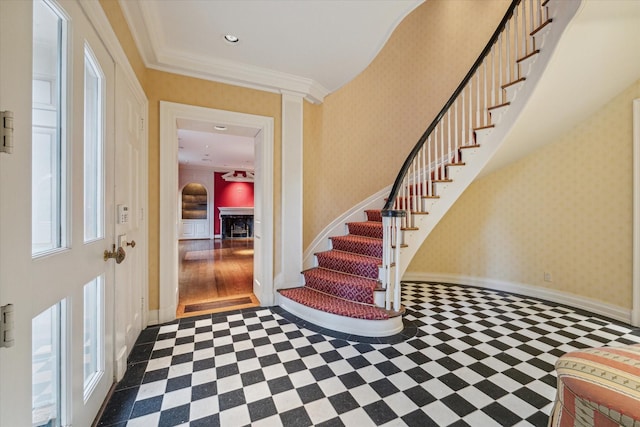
(215, 275)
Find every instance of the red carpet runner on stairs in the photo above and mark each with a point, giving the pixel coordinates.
(346, 278)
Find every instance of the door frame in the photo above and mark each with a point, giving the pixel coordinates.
(635, 308)
(125, 75)
(169, 224)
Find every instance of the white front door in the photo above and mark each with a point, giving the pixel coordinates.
(57, 207)
(130, 170)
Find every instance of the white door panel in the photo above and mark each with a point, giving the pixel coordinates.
(130, 289)
(15, 204)
(34, 284)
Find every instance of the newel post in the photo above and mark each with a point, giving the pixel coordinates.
(391, 242)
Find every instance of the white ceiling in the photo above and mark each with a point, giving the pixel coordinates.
(313, 47)
(200, 144)
(310, 47)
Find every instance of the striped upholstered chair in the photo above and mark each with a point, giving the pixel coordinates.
(598, 387)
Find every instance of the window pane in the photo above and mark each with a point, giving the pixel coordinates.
(48, 104)
(92, 338)
(93, 125)
(46, 367)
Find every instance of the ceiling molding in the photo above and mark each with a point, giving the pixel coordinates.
(237, 74)
(134, 17)
(311, 48)
(149, 43)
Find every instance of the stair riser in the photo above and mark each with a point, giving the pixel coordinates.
(368, 249)
(365, 229)
(374, 216)
(497, 113)
(340, 289)
(524, 67)
(511, 91)
(364, 269)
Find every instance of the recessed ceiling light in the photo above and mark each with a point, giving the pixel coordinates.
(218, 127)
(231, 38)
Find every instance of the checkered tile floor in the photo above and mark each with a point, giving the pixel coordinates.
(474, 358)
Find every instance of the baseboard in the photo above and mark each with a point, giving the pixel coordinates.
(153, 317)
(121, 363)
(583, 303)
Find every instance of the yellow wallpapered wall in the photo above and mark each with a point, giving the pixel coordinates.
(565, 209)
(355, 142)
(370, 124)
(162, 86)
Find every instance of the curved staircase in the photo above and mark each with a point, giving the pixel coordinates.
(341, 292)
(354, 286)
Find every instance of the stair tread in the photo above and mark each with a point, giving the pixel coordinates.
(335, 305)
(504, 104)
(520, 80)
(544, 24)
(529, 55)
(355, 237)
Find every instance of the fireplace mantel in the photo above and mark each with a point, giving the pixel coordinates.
(236, 211)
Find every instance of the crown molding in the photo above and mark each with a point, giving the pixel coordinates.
(149, 44)
(238, 74)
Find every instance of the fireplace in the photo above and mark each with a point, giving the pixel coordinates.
(236, 223)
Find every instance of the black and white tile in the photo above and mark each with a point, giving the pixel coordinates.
(467, 357)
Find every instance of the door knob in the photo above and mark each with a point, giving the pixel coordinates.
(132, 243)
(119, 254)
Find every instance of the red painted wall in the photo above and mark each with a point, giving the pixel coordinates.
(229, 195)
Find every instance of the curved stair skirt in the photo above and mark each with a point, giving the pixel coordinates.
(362, 327)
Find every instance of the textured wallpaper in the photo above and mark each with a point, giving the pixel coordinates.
(565, 209)
(371, 124)
(312, 130)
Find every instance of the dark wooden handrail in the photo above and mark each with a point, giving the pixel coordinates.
(416, 149)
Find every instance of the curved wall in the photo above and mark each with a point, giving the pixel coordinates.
(565, 209)
(365, 130)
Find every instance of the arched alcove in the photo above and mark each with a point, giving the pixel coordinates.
(194, 201)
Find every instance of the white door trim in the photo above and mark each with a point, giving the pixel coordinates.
(292, 161)
(169, 113)
(635, 310)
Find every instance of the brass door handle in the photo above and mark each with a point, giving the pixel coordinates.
(119, 254)
(132, 243)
